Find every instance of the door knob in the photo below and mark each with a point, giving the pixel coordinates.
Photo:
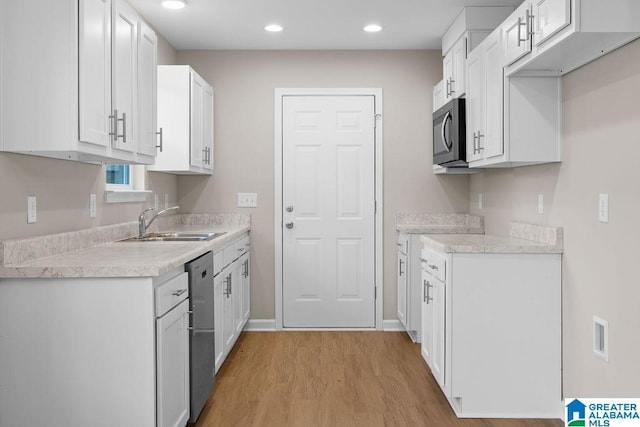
(289, 225)
(289, 208)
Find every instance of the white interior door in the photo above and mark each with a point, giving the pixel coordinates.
(328, 195)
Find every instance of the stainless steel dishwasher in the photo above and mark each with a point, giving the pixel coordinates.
(201, 332)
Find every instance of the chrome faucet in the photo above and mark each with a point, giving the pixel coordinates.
(142, 220)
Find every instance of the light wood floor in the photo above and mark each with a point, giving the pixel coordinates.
(332, 379)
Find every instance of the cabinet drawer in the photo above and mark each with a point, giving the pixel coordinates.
(218, 262)
(171, 293)
(229, 254)
(437, 266)
(241, 247)
(403, 243)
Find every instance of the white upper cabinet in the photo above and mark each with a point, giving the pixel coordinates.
(469, 28)
(75, 96)
(517, 34)
(558, 36)
(511, 121)
(185, 117)
(147, 89)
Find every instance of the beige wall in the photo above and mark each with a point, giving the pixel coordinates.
(244, 83)
(601, 148)
(62, 189)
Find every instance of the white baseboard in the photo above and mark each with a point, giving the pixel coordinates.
(263, 325)
(392, 325)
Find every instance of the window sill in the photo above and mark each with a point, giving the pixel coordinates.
(125, 196)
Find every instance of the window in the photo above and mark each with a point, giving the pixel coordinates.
(125, 183)
(118, 177)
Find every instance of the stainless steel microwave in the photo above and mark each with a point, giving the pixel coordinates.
(449, 135)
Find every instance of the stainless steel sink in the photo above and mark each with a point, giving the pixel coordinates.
(175, 237)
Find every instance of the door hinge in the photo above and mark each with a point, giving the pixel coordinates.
(376, 117)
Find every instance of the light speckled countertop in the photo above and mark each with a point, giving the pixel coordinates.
(69, 254)
(422, 223)
(523, 239)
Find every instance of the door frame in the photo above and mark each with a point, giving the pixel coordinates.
(378, 232)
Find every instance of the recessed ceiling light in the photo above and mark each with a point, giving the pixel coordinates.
(174, 4)
(274, 28)
(372, 28)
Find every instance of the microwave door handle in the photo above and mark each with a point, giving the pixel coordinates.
(443, 133)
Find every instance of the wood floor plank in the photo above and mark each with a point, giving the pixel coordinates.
(318, 379)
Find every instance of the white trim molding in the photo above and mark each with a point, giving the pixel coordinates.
(260, 325)
(279, 93)
(392, 325)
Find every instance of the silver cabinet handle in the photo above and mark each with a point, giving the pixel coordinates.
(178, 292)
(427, 296)
(124, 127)
(113, 125)
(289, 225)
(161, 143)
(480, 147)
(433, 267)
(448, 86)
(400, 269)
(529, 19)
(475, 145)
(451, 91)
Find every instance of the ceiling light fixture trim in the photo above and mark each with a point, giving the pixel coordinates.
(372, 28)
(174, 4)
(274, 28)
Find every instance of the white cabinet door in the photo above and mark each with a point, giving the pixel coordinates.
(437, 290)
(219, 291)
(94, 49)
(228, 320)
(438, 95)
(459, 78)
(447, 74)
(207, 127)
(427, 319)
(550, 17)
(402, 288)
(124, 77)
(197, 117)
(172, 358)
(237, 297)
(475, 103)
(147, 89)
(517, 33)
(246, 288)
(491, 140)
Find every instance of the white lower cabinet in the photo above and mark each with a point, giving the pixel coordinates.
(492, 332)
(172, 358)
(104, 351)
(231, 287)
(409, 285)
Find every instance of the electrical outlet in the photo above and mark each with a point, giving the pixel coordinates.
(31, 210)
(540, 204)
(92, 205)
(601, 338)
(603, 208)
(156, 201)
(479, 200)
(166, 200)
(247, 200)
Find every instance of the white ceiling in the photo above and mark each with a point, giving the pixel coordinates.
(309, 24)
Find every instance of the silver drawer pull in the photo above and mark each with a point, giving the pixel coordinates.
(178, 292)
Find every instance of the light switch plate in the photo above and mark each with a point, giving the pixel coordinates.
(540, 204)
(31, 210)
(92, 205)
(247, 200)
(603, 208)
